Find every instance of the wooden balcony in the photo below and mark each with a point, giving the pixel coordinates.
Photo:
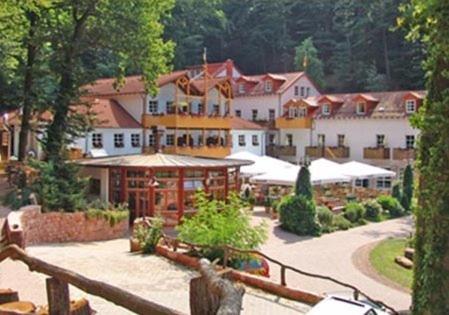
(339, 152)
(376, 153)
(293, 123)
(204, 151)
(187, 121)
(404, 154)
(280, 150)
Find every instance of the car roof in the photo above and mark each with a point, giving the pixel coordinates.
(338, 306)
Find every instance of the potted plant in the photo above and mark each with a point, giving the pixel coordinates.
(268, 203)
(274, 207)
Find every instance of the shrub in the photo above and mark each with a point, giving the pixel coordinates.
(17, 198)
(391, 205)
(109, 212)
(219, 223)
(396, 191)
(149, 237)
(303, 185)
(325, 216)
(372, 210)
(298, 215)
(354, 212)
(341, 223)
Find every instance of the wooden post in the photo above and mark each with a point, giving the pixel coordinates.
(283, 282)
(58, 297)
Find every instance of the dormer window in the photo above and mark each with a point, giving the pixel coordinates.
(410, 106)
(302, 112)
(326, 109)
(268, 86)
(241, 88)
(361, 108)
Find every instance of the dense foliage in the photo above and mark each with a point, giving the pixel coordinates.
(391, 205)
(149, 236)
(219, 223)
(107, 211)
(303, 185)
(427, 21)
(354, 212)
(357, 40)
(407, 188)
(373, 210)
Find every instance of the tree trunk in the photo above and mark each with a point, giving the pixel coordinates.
(28, 87)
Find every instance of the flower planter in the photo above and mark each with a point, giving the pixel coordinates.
(134, 245)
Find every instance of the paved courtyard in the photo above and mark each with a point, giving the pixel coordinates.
(332, 255)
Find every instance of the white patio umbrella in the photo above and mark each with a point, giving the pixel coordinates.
(356, 169)
(262, 164)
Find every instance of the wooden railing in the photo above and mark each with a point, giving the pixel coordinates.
(62, 277)
(175, 244)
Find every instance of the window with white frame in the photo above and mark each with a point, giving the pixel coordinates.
(254, 114)
(271, 139)
(97, 140)
(303, 93)
(361, 108)
(296, 90)
(362, 182)
(170, 140)
(241, 88)
(200, 108)
(326, 109)
(151, 140)
(153, 106)
(242, 141)
(321, 140)
(383, 183)
(291, 112)
(255, 139)
(238, 113)
(170, 108)
(302, 112)
(410, 106)
(119, 140)
(289, 138)
(380, 140)
(271, 114)
(307, 91)
(341, 140)
(410, 141)
(216, 109)
(135, 140)
(268, 86)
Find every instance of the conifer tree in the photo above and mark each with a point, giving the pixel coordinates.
(407, 188)
(303, 185)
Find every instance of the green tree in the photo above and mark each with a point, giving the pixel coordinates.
(303, 185)
(427, 22)
(407, 188)
(307, 59)
(396, 191)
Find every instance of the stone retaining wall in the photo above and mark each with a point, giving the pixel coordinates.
(29, 226)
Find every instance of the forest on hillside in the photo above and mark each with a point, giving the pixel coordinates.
(358, 45)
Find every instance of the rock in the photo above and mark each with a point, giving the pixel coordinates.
(409, 253)
(404, 262)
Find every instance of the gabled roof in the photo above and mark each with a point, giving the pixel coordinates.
(199, 84)
(214, 68)
(311, 101)
(366, 97)
(243, 124)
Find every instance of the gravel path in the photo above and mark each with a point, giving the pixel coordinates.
(331, 254)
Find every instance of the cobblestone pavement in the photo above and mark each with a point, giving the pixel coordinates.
(332, 255)
(149, 276)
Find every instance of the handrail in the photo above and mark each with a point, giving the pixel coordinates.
(176, 243)
(113, 294)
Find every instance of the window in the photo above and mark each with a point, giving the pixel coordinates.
(302, 112)
(289, 137)
(271, 139)
(360, 108)
(296, 90)
(410, 106)
(238, 113)
(268, 86)
(241, 88)
(94, 186)
(302, 91)
(271, 114)
(169, 107)
(362, 182)
(410, 141)
(97, 140)
(307, 91)
(254, 114)
(151, 140)
(321, 140)
(135, 140)
(200, 108)
(242, 141)
(170, 140)
(383, 182)
(118, 140)
(153, 107)
(255, 140)
(326, 109)
(216, 109)
(341, 140)
(380, 140)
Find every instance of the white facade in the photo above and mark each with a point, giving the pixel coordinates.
(301, 138)
(254, 141)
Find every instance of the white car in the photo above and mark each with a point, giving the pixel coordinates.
(334, 305)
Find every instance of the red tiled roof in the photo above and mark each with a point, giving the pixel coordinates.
(385, 105)
(240, 123)
(281, 82)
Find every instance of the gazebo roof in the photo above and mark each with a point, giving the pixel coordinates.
(160, 160)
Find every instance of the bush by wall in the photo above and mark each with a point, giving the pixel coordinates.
(391, 205)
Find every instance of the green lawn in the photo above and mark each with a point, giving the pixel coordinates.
(382, 259)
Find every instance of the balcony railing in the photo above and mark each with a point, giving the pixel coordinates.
(404, 153)
(280, 150)
(339, 152)
(376, 153)
(216, 151)
(293, 123)
(185, 120)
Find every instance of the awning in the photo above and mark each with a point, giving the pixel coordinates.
(361, 170)
(262, 164)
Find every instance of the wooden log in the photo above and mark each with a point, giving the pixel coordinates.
(229, 297)
(108, 292)
(8, 295)
(80, 307)
(409, 253)
(58, 297)
(19, 307)
(404, 262)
